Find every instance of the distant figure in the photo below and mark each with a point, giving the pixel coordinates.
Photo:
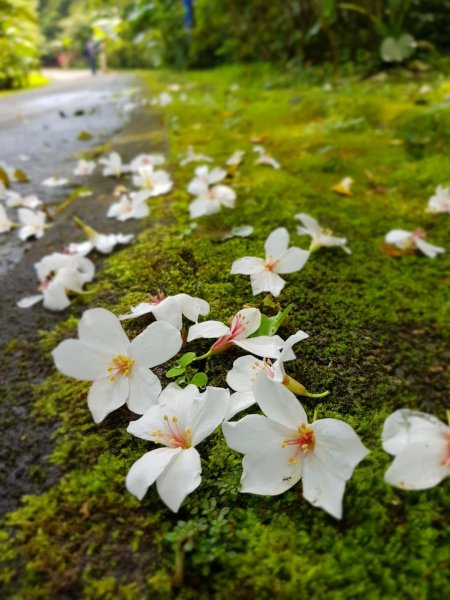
(90, 51)
(103, 58)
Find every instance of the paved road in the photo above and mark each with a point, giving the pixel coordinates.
(44, 124)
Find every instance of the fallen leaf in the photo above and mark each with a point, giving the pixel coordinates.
(21, 176)
(85, 136)
(257, 139)
(4, 177)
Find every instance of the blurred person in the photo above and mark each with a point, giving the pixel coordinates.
(90, 52)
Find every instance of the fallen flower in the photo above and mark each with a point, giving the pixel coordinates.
(113, 165)
(119, 369)
(421, 446)
(15, 200)
(344, 187)
(55, 181)
(210, 202)
(238, 231)
(85, 167)
(440, 202)
(204, 178)
(191, 156)
(320, 237)
(282, 447)
(170, 309)
(408, 241)
(242, 326)
(5, 223)
(58, 274)
(263, 273)
(104, 243)
(235, 159)
(131, 206)
(180, 421)
(146, 160)
(154, 182)
(264, 158)
(33, 223)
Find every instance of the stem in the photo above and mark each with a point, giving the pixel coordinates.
(89, 231)
(203, 356)
(299, 390)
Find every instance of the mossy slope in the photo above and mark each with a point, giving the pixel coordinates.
(378, 330)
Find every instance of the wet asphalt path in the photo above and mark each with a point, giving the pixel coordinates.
(43, 126)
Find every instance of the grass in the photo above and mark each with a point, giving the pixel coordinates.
(35, 80)
(378, 341)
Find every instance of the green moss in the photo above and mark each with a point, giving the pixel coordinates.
(378, 341)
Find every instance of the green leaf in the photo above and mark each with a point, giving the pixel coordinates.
(21, 176)
(200, 379)
(85, 136)
(397, 50)
(186, 359)
(270, 325)
(175, 371)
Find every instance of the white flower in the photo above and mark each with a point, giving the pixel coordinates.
(191, 156)
(164, 99)
(131, 206)
(155, 182)
(55, 181)
(421, 446)
(239, 231)
(33, 223)
(279, 259)
(182, 419)
(146, 160)
(171, 309)
(5, 223)
(246, 368)
(205, 178)
(104, 243)
(211, 201)
(119, 369)
(409, 240)
(282, 447)
(59, 273)
(242, 326)
(440, 202)
(264, 158)
(84, 167)
(15, 200)
(235, 159)
(320, 237)
(113, 165)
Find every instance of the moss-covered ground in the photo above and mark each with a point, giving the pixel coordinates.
(379, 331)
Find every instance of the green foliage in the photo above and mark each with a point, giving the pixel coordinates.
(19, 39)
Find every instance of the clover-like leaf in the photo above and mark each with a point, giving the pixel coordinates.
(175, 372)
(397, 49)
(186, 359)
(200, 379)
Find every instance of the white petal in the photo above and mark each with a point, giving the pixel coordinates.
(405, 426)
(202, 206)
(144, 308)
(265, 346)
(248, 265)
(252, 319)
(321, 487)
(207, 413)
(181, 477)
(207, 329)
(398, 237)
(55, 297)
(192, 308)
(293, 260)
(428, 249)
(169, 310)
(147, 469)
(105, 396)
(277, 244)
(254, 434)
(243, 373)
(100, 329)
(239, 401)
(155, 345)
(278, 403)
(286, 353)
(29, 301)
(75, 359)
(338, 446)
(420, 465)
(309, 223)
(145, 388)
(267, 281)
